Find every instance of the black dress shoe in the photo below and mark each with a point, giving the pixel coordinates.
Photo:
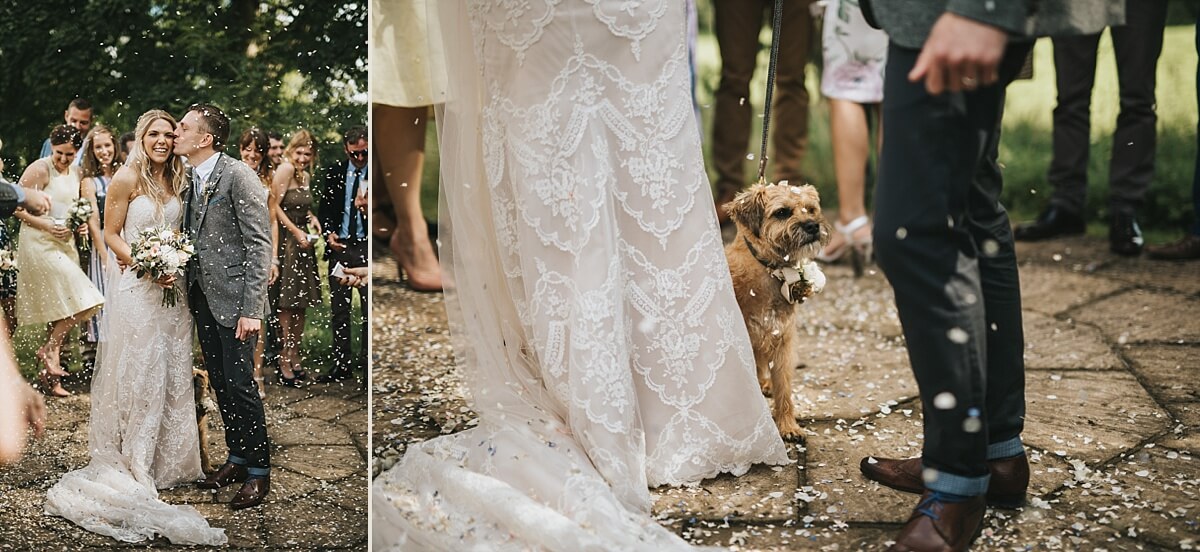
(1124, 235)
(229, 474)
(1052, 223)
(252, 493)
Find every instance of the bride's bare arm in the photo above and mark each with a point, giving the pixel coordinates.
(116, 206)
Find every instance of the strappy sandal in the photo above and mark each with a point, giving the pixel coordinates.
(861, 251)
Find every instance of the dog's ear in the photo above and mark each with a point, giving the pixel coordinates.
(748, 208)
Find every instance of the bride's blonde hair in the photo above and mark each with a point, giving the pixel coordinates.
(139, 160)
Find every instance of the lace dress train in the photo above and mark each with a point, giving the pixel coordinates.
(142, 435)
(592, 311)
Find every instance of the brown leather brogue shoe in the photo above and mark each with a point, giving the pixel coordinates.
(1006, 488)
(252, 493)
(228, 475)
(939, 526)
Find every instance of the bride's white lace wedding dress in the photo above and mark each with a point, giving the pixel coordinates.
(142, 435)
(591, 305)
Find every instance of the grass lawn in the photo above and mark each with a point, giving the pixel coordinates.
(1026, 147)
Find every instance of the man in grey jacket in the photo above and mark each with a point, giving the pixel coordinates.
(226, 217)
(945, 243)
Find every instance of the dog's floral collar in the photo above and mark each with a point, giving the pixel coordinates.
(800, 282)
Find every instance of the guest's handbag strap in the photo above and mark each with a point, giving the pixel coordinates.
(776, 23)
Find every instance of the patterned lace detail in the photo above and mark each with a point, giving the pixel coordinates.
(603, 344)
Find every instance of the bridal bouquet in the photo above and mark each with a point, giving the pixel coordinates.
(159, 252)
(8, 263)
(77, 216)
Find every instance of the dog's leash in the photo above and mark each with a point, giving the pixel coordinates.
(776, 23)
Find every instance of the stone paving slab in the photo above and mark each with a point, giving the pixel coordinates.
(1171, 372)
(1056, 344)
(850, 373)
(1141, 315)
(1113, 346)
(1090, 415)
(318, 491)
(1043, 288)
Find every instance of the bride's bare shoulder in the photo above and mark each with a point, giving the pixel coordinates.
(123, 182)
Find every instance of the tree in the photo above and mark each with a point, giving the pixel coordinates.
(277, 64)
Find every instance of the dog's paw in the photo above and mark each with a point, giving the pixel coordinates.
(790, 432)
(765, 385)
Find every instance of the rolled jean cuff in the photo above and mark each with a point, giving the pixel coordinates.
(258, 472)
(943, 482)
(236, 460)
(1005, 449)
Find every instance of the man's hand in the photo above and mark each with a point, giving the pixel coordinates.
(960, 54)
(167, 281)
(247, 328)
(36, 203)
(331, 240)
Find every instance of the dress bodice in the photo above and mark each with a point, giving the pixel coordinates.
(63, 189)
(145, 213)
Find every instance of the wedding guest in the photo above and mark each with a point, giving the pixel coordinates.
(738, 24)
(51, 287)
(1136, 46)
(852, 80)
(78, 115)
(346, 238)
(126, 143)
(408, 75)
(254, 149)
(21, 408)
(275, 152)
(944, 241)
(99, 164)
(356, 277)
(299, 282)
(8, 279)
(1187, 247)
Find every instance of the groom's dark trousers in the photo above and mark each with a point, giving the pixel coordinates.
(231, 371)
(944, 241)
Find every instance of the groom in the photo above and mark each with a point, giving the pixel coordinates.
(226, 218)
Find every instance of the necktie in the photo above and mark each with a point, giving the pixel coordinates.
(353, 231)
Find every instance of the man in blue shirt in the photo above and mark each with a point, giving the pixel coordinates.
(343, 216)
(78, 115)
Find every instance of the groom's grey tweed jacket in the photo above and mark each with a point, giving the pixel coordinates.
(908, 22)
(228, 224)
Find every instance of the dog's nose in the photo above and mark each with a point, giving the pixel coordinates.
(812, 227)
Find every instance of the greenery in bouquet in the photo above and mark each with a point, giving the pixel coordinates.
(77, 217)
(161, 252)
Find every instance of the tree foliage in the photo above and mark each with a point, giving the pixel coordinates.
(277, 64)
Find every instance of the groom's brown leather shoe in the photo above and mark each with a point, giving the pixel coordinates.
(940, 526)
(228, 474)
(252, 493)
(1006, 487)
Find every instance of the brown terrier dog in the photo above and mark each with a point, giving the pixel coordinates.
(204, 407)
(779, 228)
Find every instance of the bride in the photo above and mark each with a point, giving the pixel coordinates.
(592, 309)
(142, 434)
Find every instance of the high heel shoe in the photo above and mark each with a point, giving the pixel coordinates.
(861, 250)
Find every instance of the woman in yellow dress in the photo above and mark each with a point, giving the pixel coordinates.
(51, 287)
